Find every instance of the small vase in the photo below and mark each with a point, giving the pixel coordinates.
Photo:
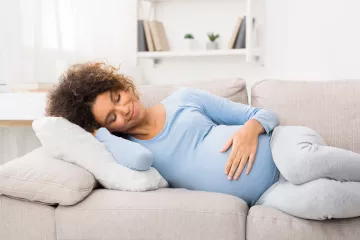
(190, 44)
(211, 45)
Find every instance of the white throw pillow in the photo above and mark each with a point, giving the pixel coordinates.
(71, 143)
(39, 177)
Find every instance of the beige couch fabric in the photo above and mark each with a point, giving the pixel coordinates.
(39, 177)
(264, 223)
(161, 214)
(331, 108)
(21, 220)
(234, 89)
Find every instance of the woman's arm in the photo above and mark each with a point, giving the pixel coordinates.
(244, 142)
(125, 152)
(226, 112)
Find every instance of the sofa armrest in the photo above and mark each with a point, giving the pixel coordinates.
(161, 214)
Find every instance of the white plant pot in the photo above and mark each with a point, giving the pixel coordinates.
(190, 44)
(211, 45)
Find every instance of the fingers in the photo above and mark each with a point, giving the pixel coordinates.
(227, 145)
(234, 166)
(229, 164)
(243, 162)
(251, 162)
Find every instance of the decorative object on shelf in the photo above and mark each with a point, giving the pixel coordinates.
(212, 44)
(190, 41)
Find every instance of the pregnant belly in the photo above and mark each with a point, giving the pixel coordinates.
(206, 170)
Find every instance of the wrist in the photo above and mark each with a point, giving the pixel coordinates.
(255, 126)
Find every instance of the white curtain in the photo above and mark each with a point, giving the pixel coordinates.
(40, 38)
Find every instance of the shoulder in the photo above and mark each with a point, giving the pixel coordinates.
(184, 95)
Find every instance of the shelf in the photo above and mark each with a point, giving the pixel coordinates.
(155, 1)
(203, 53)
(22, 106)
(169, 13)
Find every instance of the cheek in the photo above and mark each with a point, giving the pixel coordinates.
(118, 125)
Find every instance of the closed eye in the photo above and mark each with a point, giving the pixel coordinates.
(117, 98)
(114, 118)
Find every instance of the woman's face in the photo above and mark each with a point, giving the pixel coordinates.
(118, 111)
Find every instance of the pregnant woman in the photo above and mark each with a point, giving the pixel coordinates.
(203, 142)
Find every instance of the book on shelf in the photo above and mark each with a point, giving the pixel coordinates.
(241, 38)
(159, 36)
(152, 36)
(148, 36)
(142, 45)
(235, 33)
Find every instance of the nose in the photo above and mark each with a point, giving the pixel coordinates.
(123, 110)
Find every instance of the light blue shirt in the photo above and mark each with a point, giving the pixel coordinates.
(187, 151)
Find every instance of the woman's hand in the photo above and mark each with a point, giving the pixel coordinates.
(244, 145)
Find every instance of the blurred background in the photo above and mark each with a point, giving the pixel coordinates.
(172, 41)
(286, 39)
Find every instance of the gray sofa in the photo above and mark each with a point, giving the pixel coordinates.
(331, 108)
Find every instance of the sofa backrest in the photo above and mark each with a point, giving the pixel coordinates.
(332, 108)
(234, 89)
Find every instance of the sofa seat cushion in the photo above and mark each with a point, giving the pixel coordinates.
(161, 214)
(26, 220)
(272, 224)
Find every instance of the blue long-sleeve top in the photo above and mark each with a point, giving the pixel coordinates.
(187, 150)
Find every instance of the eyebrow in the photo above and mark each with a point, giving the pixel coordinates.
(109, 114)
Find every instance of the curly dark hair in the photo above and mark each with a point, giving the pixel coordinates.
(73, 96)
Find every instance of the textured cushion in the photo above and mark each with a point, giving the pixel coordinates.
(331, 108)
(65, 140)
(233, 89)
(20, 220)
(161, 214)
(39, 177)
(271, 224)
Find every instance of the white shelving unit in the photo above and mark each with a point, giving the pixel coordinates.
(249, 53)
(202, 53)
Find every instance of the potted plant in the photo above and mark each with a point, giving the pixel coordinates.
(190, 41)
(212, 44)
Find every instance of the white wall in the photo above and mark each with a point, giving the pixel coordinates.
(312, 40)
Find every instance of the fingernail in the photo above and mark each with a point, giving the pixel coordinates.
(229, 178)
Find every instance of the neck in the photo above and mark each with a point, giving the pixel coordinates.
(146, 125)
